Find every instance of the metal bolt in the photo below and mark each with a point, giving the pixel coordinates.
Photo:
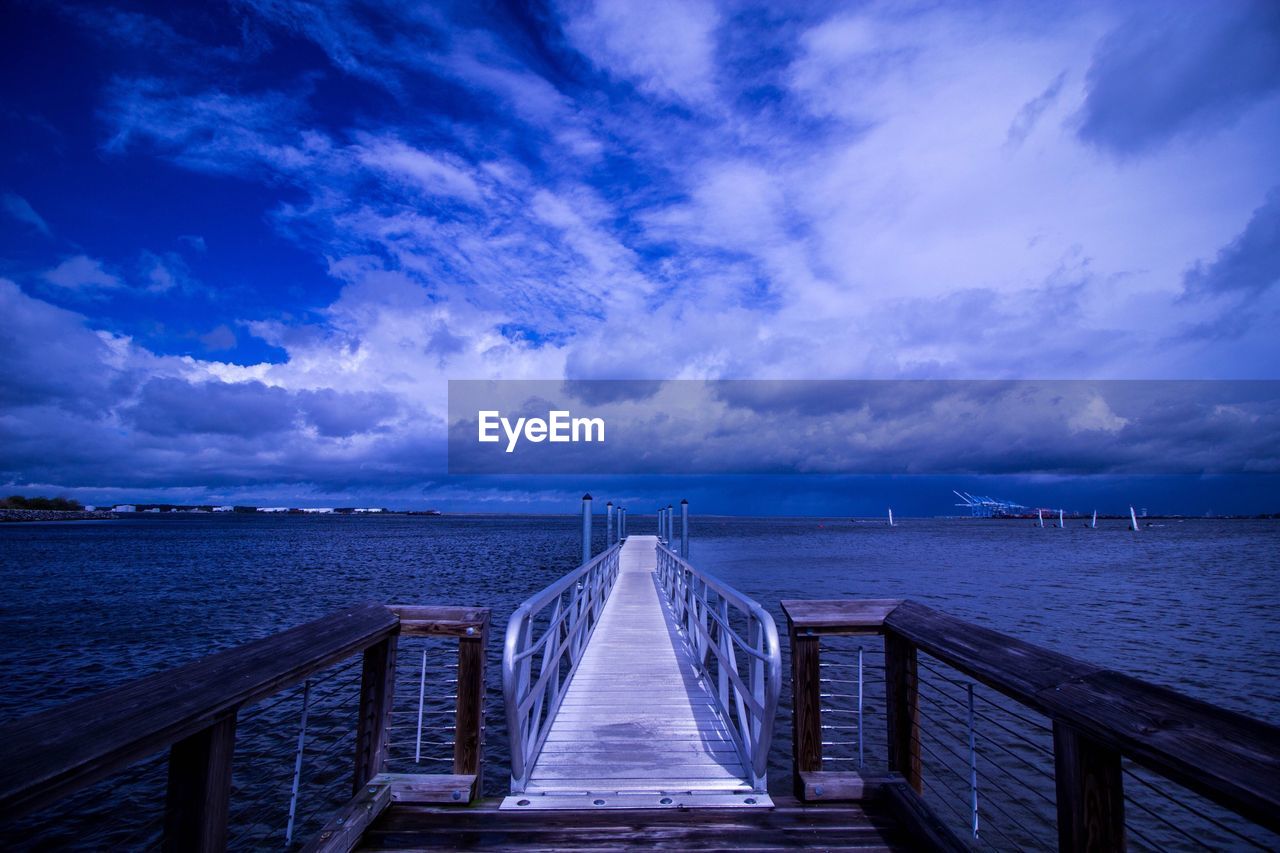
(817, 790)
(457, 795)
(470, 631)
(373, 789)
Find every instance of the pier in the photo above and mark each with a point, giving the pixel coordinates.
(635, 724)
(640, 696)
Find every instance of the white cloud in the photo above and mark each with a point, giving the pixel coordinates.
(666, 47)
(20, 209)
(434, 174)
(80, 272)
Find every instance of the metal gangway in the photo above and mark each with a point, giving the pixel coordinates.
(637, 681)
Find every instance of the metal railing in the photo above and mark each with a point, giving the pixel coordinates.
(705, 609)
(558, 622)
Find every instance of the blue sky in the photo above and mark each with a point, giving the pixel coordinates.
(244, 245)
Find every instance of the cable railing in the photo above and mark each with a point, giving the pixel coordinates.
(993, 743)
(545, 639)
(734, 642)
(251, 747)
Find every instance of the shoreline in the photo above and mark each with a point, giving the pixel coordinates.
(20, 515)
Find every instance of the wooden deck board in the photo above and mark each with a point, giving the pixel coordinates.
(790, 825)
(635, 715)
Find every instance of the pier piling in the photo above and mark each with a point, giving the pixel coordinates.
(586, 528)
(684, 529)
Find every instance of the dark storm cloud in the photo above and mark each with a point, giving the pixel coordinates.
(336, 414)
(1187, 68)
(889, 427)
(1249, 264)
(172, 407)
(611, 390)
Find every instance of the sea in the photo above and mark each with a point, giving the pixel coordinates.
(1190, 604)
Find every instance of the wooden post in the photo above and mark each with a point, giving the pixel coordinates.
(1090, 792)
(199, 794)
(468, 740)
(806, 714)
(902, 709)
(377, 685)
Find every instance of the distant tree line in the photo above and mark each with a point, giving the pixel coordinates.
(61, 504)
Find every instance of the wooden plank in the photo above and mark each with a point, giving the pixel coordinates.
(1227, 757)
(1090, 793)
(847, 785)
(48, 755)
(806, 716)
(902, 709)
(1016, 668)
(432, 621)
(455, 788)
(919, 821)
(199, 791)
(824, 826)
(839, 616)
(377, 691)
(346, 829)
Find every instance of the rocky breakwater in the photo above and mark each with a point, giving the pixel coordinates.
(51, 515)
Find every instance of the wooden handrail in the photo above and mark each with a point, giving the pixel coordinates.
(192, 710)
(1098, 714)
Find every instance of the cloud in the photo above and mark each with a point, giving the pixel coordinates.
(335, 414)
(48, 357)
(604, 191)
(211, 130)
(666, 47)
(164, 273)
(1180, 69)
(220, 337)
(21, 210)
(434, 174)
(80, 272)
(1025, 121)
(1249, 265)
(174, 408)
(1061, 427)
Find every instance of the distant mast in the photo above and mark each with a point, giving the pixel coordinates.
(1061, 524)
(1133, 520)
(1040, 516)
(891, 516)
(1094, 523)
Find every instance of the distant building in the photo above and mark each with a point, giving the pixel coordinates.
(371, 509)
(224, 509)
(124, 508)
(90, 508)
(319, 510)
(273, 509)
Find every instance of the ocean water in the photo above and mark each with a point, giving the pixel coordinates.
(1194, 605)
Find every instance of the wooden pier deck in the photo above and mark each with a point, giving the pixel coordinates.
(636, 720)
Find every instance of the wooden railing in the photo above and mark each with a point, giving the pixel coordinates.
(192, 710)
(1098, 717)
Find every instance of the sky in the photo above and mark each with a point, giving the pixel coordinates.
(244, 245)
